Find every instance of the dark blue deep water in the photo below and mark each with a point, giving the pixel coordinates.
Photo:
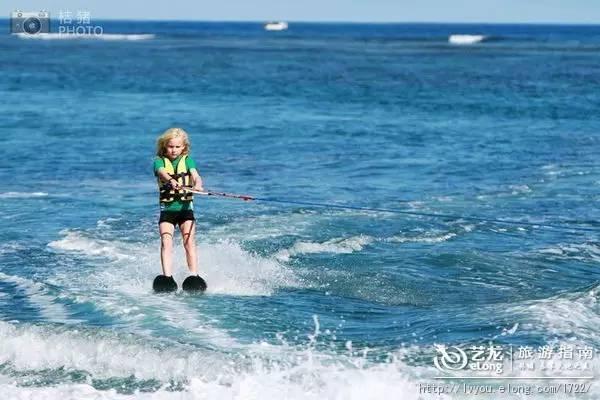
(304, 302)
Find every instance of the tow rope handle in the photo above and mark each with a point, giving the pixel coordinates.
(220, 194)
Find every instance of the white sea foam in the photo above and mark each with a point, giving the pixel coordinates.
(257, 227)
(132, 302)
(571, 316)
(261, 227)
(85, 36)
(257, 373)
(426, 238)
(263, 371)
(507, 191)
(300, 383)
(444, 199)
(22, 195)
(227, 267)
(38, 294)
(552, 170)
(416, 204)
(106, 223)
(232, 270)
(510, 331)
(118, 279)
(468, 228)
(559, 171)
(99, 353)
(336, 246)
(119, 284)
(520, 189)
(10, 247)
(79, 242)
(581, 251)
(466, 39)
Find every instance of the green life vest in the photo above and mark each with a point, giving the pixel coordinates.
(166, 193)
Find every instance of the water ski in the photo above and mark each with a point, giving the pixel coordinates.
(194, 284)
(164, 283)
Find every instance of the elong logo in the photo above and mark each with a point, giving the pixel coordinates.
(447, 360)
(479, 358)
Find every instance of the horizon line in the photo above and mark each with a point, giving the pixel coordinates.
(550, 23)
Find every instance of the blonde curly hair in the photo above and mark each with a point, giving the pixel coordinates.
(172, 133)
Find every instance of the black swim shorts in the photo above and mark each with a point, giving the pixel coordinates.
(176, 217)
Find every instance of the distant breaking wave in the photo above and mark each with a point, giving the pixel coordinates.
(22, 195)
(466, 39)
(336, 246)
(72, 36)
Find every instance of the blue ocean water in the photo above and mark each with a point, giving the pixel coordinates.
(303, 302)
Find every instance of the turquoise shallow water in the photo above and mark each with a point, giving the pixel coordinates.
(303, 302)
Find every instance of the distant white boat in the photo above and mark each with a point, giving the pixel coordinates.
(466, 39)
(276, 26)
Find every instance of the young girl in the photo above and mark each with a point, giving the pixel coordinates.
(175, 170)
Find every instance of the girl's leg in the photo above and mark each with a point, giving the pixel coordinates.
(166, 230)
(188, 232)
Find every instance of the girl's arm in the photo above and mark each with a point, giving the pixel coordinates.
(165, 177)
(197, 180)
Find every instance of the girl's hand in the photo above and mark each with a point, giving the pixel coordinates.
(174, 184)
(198, 187)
